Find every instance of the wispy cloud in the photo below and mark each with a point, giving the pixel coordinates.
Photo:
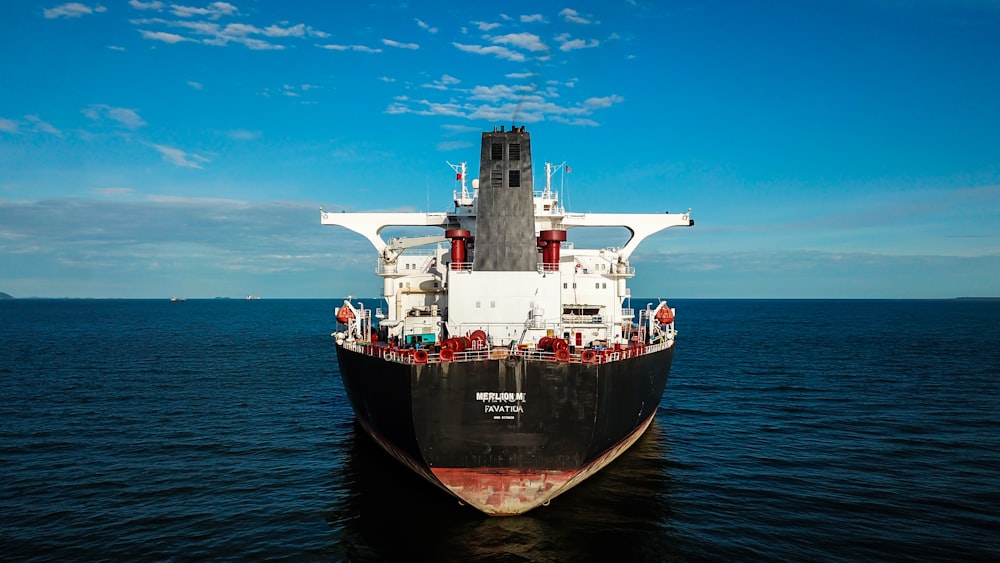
(42, 126)
(502, 101)
(214, 11)
(163, 36)
(398, 45)
(180, 158)
(573, 16)
(204, 25)
(567, 43)
(139, 5)
(495, 50)
(486, 26)
(443, 83)
(243, 135)
(358, 48)
(524, 40)
(123, 116)
(533, 18)
(425, 26)
(31, 124)
(72, 10)
(225, 247)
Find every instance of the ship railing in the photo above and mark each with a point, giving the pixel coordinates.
(425, 262)
(586, 355)
(622, 272)
(460, 266)
(576, 320)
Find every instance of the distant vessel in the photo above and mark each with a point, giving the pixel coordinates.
(177, 299)
(509, 367)
(251, 297)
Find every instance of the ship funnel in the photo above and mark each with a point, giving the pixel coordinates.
(505, 222)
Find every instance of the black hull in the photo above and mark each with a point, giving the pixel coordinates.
(505, 435)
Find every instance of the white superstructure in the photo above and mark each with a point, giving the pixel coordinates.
(433, 291)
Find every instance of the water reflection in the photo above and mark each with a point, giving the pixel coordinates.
(388, 513)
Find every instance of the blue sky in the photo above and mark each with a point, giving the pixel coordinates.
(846, 148)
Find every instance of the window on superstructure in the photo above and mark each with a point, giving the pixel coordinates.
(514, 178)
(514, 151)
(496, 151)
(496, 178)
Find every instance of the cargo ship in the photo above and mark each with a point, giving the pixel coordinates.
(508, 365)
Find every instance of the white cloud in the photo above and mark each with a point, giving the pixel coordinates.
(43, 127)
(574, 44)
(298, 30)
(397, 44)
(425, 26)
(605, 102)
(533, 18)
(209, 32)
(359, 48)
(72, 10)
(486, 26)
(495, 50)
(442, 84)
(123, 116)
(386, 79)
(573, 16)
(501, 101)
(180, 158)
(517, 75)
(195, 85)
(214, 11)
(523, 40)
(154, 5)
(499, 92)
(243, 135)
(163, 36)
(8, 125)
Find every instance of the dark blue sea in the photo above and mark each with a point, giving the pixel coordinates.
(219, 430)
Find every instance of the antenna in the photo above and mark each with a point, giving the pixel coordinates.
(460, 175)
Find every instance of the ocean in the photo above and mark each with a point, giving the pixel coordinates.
(835, 430)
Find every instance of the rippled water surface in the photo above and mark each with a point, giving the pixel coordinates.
(217, 429)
